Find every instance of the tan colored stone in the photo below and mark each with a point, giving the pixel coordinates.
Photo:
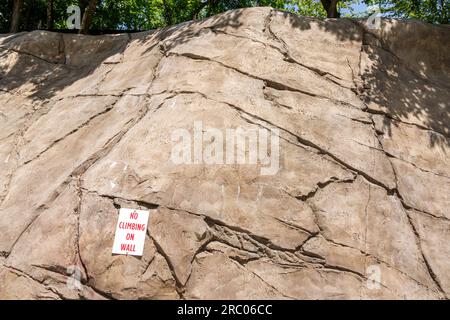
(55, 125)
(14, 286)
(307, 283)
(82, 50)
(423, 190)
(393, 89)
(222, 192)
(119, 276)
(425, 149)
(361, 184)
(434, 236)
(320, 122)
(39, 180)
(259, 61)
(180, 236)
(214, 276)
(391, 284)
(13, 113)
(372, 222)
(7, 163)
(54, 235)
(44, 45)
(413, 42)
(335, 53)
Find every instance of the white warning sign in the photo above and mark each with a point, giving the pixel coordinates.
(130, 232)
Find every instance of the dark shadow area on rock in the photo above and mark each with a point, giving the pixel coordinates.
(47, 67)
(415, 91)
(326, 25)
(41, 60)
(406, 86)
(186, 31)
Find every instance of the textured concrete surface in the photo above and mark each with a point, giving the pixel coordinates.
(363, 118)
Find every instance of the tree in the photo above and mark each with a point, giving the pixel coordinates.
(330, 7)
(200, 6)
(49, 14)
(107, 15)
(433, 11)
(167, 12)
(15, 20)
(87, 16)
(322, 8)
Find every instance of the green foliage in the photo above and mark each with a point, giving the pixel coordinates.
(433, 11)
(5, 14)
(33, 15)
(310, 8)
(151, 14)
(128, 15)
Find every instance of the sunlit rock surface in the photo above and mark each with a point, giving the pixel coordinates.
(359, 208)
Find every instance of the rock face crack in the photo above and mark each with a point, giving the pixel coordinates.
(288, 57)
(322, 185)
(84, 124)
(269, 82)
(425, 259)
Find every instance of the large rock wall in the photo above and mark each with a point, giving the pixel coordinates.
(363, 119)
